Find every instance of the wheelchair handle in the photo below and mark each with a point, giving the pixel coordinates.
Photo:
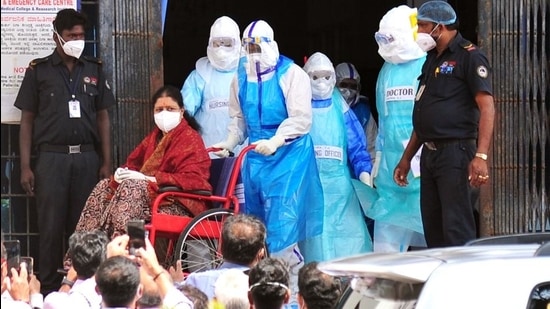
(214, 149)
(237, 168)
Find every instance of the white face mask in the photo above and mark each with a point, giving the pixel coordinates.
(223, 58)
(425, 40)
(349, 95)
(321, 88)
(72, 48)
(166, 121)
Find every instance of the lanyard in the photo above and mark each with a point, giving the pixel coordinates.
(71, 86)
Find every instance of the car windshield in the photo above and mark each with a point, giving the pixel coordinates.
(381, 293)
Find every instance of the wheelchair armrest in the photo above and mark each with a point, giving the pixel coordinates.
(178, 189)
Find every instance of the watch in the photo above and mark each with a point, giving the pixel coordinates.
(482, 156)
(67, 282)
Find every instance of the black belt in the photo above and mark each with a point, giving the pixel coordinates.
(69, 149)
(440, 144)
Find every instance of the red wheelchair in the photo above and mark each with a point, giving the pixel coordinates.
(196, 240)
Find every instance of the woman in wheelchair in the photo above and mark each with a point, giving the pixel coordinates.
(173, 154)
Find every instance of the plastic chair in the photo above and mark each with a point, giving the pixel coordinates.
(196, 239)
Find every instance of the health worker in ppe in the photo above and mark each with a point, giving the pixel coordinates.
(341, 153)
(206, 90)
(348, 81)
(270, 103)
(398, 222)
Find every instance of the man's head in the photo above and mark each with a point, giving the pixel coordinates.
(317, 290)
(87, 251)
(348, 82)
(243, 239)
(438, 19)
(69, 30)
(260, 47)
(321, 75)
(224, 44)
(268, 284)
(118, 282)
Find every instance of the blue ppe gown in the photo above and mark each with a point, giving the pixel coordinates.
(395, 92)
(338, 135)
(282, 189)
(206, 97)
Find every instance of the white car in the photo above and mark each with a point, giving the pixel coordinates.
(515, 276)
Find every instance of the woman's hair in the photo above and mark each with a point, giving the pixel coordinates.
(174, 93)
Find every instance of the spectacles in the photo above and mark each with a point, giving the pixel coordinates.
(315, 75)
(348, 84)
(222, 42)
(382, 38)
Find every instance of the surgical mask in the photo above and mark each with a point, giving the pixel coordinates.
(321, 89)
(223, 58)
(72, 48)
(166, 121)
(425, 40)
(349, 95)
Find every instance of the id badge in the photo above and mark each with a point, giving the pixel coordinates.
(74, 109)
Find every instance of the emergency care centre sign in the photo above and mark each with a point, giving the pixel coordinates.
(27, 33)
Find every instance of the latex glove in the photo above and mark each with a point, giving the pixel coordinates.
(376, 165)
(365, 178)
(122, 174)
(268, 146)
(226, 146)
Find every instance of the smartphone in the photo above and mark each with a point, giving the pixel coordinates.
(30, 263)
(13, 254)
(136, 231)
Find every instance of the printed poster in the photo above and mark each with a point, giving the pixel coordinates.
(27, 33)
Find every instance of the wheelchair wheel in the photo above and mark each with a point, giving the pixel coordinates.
(198, 244)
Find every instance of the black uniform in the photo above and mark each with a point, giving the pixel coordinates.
(446, 120)
(66, 138)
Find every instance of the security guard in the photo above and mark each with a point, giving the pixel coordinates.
(64, 100)
(453, 120)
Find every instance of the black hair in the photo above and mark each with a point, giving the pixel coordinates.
(243, 236)
(87, 251)
(269, 274)
(66, 19)
(174, 93)
(149, 300)
(319, 290)
(117, 280)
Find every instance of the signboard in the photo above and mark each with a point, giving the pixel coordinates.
(27, 33)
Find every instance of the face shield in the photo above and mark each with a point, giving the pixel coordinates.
(396, 37)
(259, 46)
(224, 47)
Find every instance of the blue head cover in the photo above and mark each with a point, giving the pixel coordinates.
(439, 12)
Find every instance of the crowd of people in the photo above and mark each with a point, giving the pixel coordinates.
(319, 147)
